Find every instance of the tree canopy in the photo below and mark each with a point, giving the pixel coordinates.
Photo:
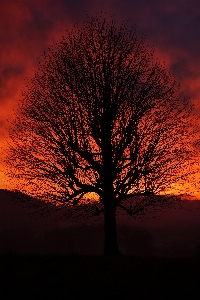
(101, 115)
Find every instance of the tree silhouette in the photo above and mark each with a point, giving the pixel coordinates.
(101, 116)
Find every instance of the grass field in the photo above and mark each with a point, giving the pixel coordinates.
(98, 277)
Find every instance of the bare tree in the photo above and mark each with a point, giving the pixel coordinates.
(101, 116)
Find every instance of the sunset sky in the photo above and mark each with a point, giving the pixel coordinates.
(28, 27)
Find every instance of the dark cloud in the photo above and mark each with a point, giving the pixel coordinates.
(28, 27)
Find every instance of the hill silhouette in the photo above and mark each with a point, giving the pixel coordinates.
(28, 225)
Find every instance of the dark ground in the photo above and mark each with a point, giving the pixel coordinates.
(172, 231)
(97, 277)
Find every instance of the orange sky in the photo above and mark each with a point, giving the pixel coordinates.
(28, 27)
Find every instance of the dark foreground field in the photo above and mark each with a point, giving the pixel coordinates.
(96, 277)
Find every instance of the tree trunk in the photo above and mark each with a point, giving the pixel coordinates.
(107, 178)
(110, 231)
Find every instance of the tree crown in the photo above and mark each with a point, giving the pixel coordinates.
(99, 109)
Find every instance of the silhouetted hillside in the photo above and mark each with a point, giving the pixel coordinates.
(28, 225)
